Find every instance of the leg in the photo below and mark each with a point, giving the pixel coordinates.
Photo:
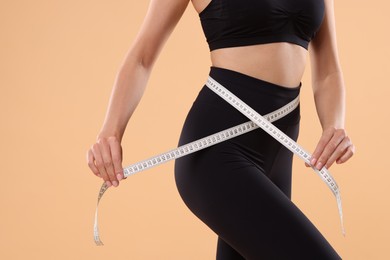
(226, 252)
(241, 188)
(246, 209)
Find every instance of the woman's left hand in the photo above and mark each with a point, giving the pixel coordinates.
(334, 146)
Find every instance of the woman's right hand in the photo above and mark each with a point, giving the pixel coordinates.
(105, 160)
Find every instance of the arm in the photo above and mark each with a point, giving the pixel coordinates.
(105, 156)
(329, 95)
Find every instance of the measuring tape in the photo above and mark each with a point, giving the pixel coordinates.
(279, 136)
(257, 121)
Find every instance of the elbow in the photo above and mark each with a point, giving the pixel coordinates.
(325, 69)
(324, 62)
(328, 75)
(332, 81)
(146, 60)
(141, 59)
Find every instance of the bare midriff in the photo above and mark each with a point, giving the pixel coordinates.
(280, 63)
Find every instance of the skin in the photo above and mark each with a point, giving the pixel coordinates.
(280, 63)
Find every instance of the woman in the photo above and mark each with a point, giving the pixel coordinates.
(241, 188)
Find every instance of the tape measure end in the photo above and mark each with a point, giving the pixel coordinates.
(97, 240)
(99, 243)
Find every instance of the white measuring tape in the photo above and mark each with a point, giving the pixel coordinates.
(279, 136)
(257, 121)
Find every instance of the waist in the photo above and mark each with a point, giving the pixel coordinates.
(280, 63)
(210, 113)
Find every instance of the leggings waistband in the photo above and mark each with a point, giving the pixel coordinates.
(238, 82)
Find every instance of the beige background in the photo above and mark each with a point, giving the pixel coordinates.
(58, 61)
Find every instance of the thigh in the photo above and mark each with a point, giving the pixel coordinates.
(279, 167)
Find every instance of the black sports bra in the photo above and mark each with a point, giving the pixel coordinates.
(229, 23)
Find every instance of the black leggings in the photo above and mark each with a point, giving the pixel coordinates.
(241, 188)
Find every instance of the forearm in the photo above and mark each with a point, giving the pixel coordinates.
(329, 96)
(105, 155)
(128, 89)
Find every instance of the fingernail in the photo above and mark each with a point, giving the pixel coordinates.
(108, 183)
(119, 177)
(313, 161)
(319, 165)
(115, 183)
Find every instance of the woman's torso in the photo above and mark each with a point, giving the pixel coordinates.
(282, 63)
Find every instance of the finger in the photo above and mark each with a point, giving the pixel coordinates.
(91, 163)
(307, 165)
(100, 164)
(116, 154)
(340, 151)
(347, 155)
(325, 138)
(329, 149)
(107, 160)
